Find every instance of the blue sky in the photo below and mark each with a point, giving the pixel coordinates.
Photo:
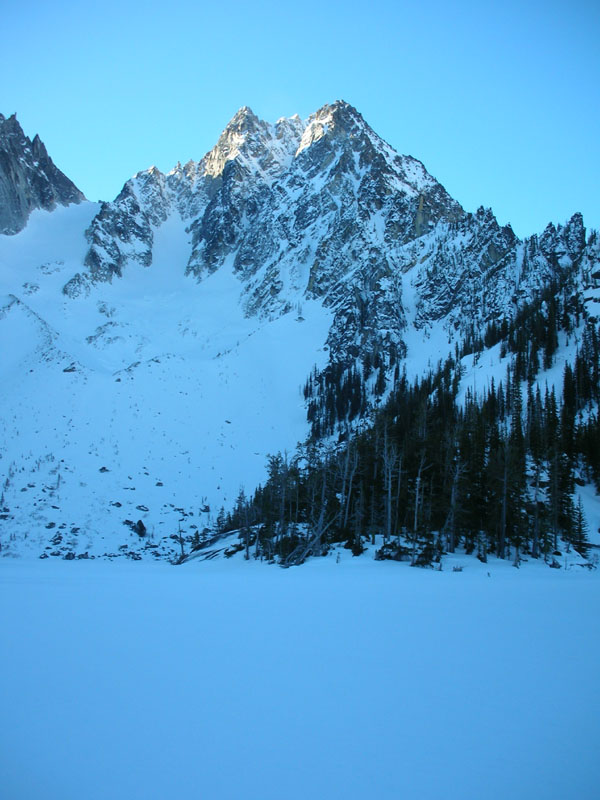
(499, 101)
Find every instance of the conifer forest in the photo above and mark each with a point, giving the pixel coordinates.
(492, 472)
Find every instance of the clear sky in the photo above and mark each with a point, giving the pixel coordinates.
(500, 100)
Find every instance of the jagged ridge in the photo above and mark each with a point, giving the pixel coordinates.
(326, 209)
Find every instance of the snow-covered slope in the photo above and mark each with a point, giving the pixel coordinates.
(151, 399)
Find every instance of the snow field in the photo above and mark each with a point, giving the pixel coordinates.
(232, 679)
(171, 400)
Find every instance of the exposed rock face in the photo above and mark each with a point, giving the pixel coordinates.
(477, 271)
(28, 178)
(325, 209)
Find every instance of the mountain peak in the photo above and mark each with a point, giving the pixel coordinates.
(28, 177)
(9, 126)
(259, 193)
(243, 120)
(339, 120)
(339, 113)
(338, 108)
(245, 132)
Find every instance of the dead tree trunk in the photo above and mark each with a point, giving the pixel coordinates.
(389, 462)
(422, 468)
(535, 544)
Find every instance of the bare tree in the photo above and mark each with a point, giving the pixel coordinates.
(421, 470)
(390, 457)
(450, 524)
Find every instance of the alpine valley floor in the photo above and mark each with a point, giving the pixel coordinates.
(344, 679)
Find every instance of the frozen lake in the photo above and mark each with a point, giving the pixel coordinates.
(333, 680)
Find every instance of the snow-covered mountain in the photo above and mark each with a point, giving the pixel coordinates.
(320, 210)
(326, 210)
(156, 345)
(28, 178)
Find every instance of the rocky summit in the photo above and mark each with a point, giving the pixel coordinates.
(28, 178)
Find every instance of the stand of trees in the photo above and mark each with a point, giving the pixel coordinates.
(493, 473)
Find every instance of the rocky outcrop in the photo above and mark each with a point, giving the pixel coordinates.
(28, 178)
